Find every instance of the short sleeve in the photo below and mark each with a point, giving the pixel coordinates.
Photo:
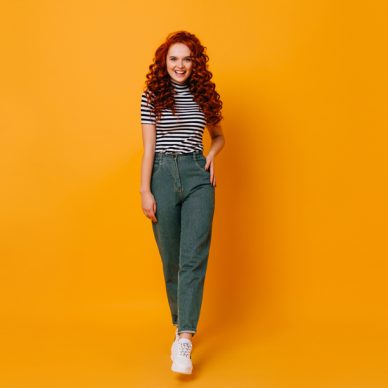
(147, 114)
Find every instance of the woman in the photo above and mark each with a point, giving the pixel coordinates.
(177, 181)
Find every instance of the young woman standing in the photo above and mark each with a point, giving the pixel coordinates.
(177, 181)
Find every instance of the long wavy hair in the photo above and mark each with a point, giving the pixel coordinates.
(160, 92)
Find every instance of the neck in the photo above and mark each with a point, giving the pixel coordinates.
(178, 83)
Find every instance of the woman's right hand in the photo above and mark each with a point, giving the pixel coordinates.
(149, 205)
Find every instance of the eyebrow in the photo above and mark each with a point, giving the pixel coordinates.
(187, 56)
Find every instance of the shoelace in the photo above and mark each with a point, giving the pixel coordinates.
(184, 349)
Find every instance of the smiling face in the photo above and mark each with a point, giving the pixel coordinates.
(178, 62)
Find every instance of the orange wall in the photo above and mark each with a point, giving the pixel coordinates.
(301, 213)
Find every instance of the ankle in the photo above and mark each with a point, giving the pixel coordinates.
(186, 335)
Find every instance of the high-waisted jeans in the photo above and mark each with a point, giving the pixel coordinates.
(185, 204)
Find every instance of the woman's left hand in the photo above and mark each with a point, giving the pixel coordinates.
(210, 163)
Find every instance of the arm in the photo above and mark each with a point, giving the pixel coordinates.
(148, 133)
(218, 142)
(148, 124)
(218, 139)
(147, 198)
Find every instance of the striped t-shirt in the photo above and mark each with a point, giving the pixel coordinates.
(181, 133)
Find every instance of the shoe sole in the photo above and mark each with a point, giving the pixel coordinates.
(177, 369)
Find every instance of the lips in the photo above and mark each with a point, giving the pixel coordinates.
(180, 72)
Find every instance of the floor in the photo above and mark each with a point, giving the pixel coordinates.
(113, 350)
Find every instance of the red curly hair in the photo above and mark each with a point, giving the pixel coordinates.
(160, 92)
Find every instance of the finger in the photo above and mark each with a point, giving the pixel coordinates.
(208, 165)
(148, 214)
(213, 177)
(154, 216)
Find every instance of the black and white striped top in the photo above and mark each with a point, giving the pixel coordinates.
(181, 133)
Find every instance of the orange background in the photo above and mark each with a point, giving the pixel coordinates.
(296, 287)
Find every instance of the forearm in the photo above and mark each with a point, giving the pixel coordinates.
(217, 144)
(146, 171)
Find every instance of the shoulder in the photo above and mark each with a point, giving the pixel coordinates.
(147, 97)
(145, 93)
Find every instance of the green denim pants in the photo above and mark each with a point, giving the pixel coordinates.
(185, 204)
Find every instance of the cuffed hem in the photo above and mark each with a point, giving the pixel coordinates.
(186, 331)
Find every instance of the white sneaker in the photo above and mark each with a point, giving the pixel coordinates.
(182, 362)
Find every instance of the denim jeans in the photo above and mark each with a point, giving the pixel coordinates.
(185, 204)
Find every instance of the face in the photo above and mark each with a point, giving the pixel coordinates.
(179, 62)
